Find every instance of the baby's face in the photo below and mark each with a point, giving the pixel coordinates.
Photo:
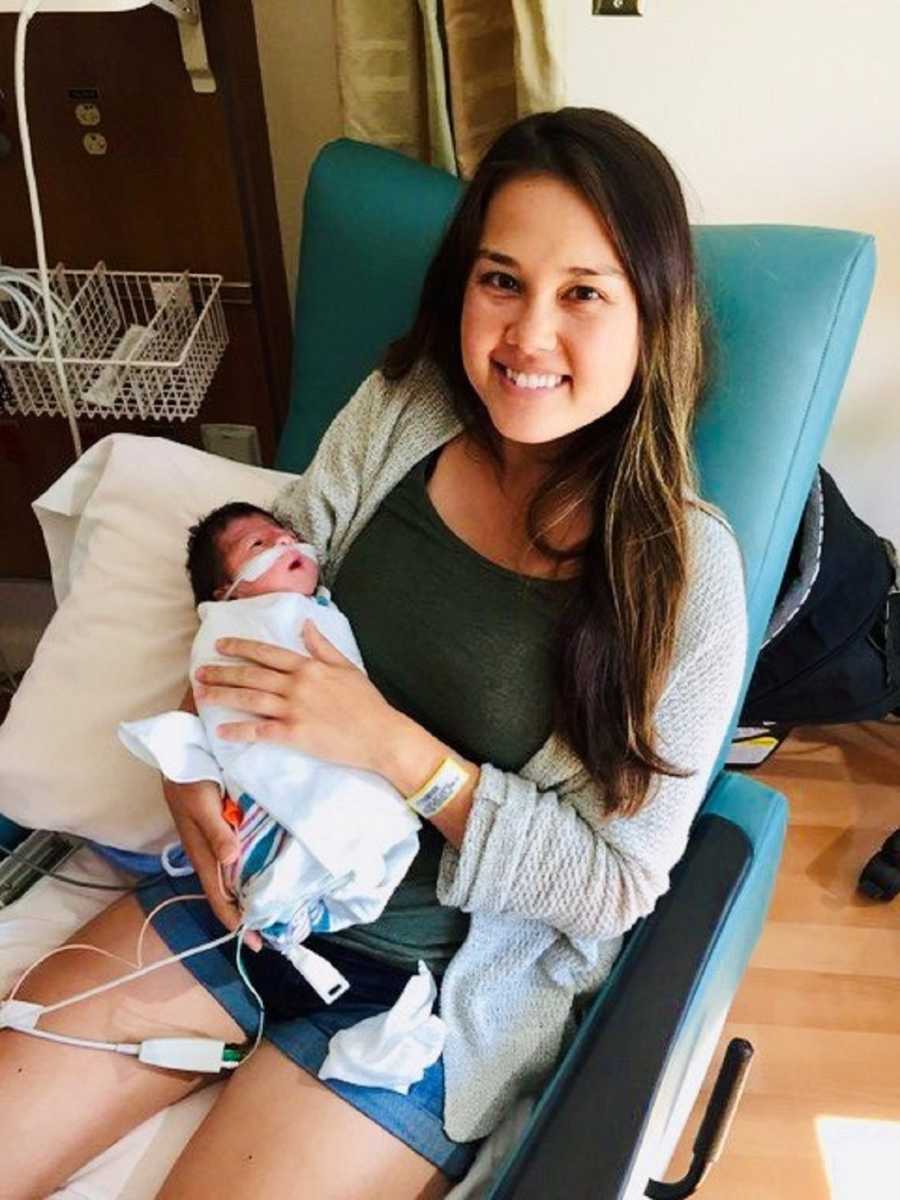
(244, 538)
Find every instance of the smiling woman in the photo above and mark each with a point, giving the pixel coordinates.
(547, 352)
(570, 255)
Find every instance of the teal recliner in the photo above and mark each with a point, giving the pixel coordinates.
(785, 305)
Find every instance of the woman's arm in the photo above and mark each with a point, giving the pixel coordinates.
(296, 700)
(526, 852)
(409, 755)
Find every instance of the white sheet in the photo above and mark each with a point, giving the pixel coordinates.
(136, 1166)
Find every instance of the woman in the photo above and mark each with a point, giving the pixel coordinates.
(506, 515)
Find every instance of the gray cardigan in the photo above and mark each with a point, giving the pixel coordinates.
(551, 885)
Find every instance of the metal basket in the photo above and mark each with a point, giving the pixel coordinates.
(134, 344)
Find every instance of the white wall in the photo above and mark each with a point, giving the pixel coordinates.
(786, 113)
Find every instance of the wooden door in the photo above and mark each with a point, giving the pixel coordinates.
(185, 184)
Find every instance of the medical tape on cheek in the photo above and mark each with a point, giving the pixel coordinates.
(257, 566)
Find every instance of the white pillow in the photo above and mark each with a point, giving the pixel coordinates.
(117, 647)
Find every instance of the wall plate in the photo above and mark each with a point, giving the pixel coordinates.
(87, 114)
(618, 8)
(95, 143)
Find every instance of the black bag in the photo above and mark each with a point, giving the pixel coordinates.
(832, 648)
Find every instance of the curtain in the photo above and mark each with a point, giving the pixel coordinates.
(439, 79)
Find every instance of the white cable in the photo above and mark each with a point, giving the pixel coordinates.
(27, 337)
(28, 11)
(173, 1053)
(180, 1053)
(163, 962)
(99, 950)
(59, 950)
(259, 1000)
(132, 1048)
(146, 925)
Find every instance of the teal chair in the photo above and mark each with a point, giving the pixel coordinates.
(786, 305)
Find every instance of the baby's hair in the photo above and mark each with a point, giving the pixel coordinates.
(205, 567)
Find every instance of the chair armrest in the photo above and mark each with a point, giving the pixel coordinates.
(588, 1125)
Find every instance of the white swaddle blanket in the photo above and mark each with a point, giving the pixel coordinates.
(352, 836)
(300, 791)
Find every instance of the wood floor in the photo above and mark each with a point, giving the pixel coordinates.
(820, 1118)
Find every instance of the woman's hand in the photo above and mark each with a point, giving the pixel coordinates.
(208, 841)
(327, 707)
(321, 704)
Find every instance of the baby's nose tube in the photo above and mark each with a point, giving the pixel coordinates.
(255, 567)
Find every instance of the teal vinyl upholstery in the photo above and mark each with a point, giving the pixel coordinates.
(784, 307)
(786, 304)
(371, 221)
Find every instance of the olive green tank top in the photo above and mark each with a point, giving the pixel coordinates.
(463, 646)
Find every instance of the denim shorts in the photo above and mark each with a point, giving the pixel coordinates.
(300, 1025)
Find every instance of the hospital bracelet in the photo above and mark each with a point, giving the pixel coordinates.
(436, 793)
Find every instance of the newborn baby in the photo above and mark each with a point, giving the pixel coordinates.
(352, 836)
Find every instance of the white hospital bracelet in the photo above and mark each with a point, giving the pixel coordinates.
(443, 786)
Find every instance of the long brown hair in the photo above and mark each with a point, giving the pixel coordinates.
(632, 466)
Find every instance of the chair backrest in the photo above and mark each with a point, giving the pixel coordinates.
(785, 304)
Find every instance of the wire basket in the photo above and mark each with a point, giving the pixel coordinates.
(134, 344)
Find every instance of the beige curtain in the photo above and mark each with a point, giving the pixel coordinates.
(439, 79)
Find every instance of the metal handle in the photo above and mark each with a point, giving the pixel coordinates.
(715, 1124)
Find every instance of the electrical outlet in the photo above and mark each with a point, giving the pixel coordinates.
(618, 8)
(87, 114)
(237, 442)
(95, 143)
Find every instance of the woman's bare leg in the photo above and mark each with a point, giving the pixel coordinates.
(61, 1105)
(276, 1132)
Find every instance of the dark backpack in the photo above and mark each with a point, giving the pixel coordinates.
(832, 648)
